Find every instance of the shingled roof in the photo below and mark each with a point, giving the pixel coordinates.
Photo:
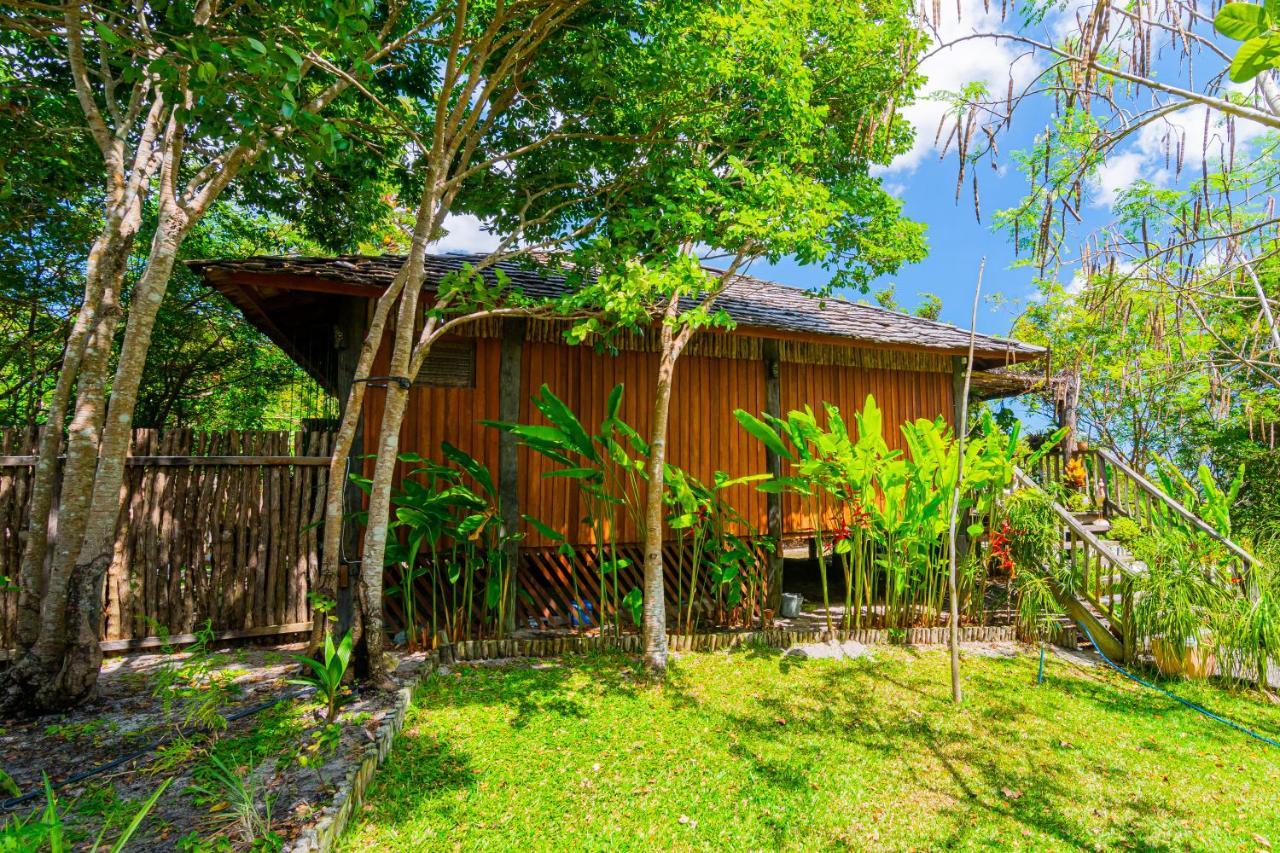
(753, 303)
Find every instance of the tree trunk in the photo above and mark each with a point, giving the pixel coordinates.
(375, 535)
(410, 274)
(78, 674)
(106, 263)
(65, 657)
(655, 603)
(336, 485)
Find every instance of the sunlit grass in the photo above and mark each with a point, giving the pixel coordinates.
(754, 751)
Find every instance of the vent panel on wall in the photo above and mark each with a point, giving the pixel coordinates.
(450, 364)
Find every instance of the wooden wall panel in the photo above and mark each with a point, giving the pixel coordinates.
(901, 395)
(704, 437)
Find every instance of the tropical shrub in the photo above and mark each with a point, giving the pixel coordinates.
(447, 531)
(1124, 530)
(722, 550)
(608, 466)
(1029, 549)
(882, 513)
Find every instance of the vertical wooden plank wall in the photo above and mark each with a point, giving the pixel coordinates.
(704, 436)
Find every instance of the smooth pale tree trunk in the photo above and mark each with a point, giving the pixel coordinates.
(375, 536)
(42, 638)
(106, 262)
(655, 602)
(344, 440)
(78, 673)
(402, 294)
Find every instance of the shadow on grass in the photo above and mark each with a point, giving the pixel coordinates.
(1001, 759)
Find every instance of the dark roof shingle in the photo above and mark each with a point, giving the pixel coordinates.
(748, 300)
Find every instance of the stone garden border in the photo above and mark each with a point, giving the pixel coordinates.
(322, 836)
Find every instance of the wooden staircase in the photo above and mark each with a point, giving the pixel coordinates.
(1102, 572)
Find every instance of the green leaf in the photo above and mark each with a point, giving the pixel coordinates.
(1241, 21)
(1254, 56)
(614, 402)
(762, 431)
(974, 530)
(545, 530)
(634, 602)
(106, 33)
(563, 417)
(573, 473)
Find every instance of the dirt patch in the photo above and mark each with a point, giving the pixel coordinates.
(285, 756)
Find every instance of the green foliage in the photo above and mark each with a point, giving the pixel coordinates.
(222, 783)
(448, 523)
(721, 543)
(882, 514)
(327, 675)
(607, 465)
(1124, 530)
(1176, 597)
(1253, 25)
(194, 680)
(1247, 629)
(1039, 574)
(48, 829)
(771, 116)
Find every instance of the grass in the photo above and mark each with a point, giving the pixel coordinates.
(755, 751)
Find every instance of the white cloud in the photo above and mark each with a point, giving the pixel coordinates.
(980, 60)
(1154, 154)
(1121, 171)
(465, 233)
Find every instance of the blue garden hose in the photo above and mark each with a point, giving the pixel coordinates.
(1199, 709)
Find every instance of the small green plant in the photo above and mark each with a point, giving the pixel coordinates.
(49, 831)
(194, 680)
(1126, 531)
(221, 784)
(328, 675)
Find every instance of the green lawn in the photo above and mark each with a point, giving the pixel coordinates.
(754, 751)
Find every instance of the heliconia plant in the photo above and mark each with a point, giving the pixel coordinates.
(446, 528)
(880, 511)
(608, 466)
(723, 550)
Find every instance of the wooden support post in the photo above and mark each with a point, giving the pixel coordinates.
(773, 464)
(1069, 414)
(513, 332)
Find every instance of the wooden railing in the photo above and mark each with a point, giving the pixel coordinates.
(1098, 576)
(1127, 492)
(1119, 490)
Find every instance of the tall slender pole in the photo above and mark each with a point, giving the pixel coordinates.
(961, 429)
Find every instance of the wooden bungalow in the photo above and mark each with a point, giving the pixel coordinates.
(789, 349)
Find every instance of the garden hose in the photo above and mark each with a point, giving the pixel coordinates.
(1199, 709)
(14, 802)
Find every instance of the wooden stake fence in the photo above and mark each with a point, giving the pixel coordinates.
(217, 526)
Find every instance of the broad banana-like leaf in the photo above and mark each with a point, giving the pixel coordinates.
(763, 432)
